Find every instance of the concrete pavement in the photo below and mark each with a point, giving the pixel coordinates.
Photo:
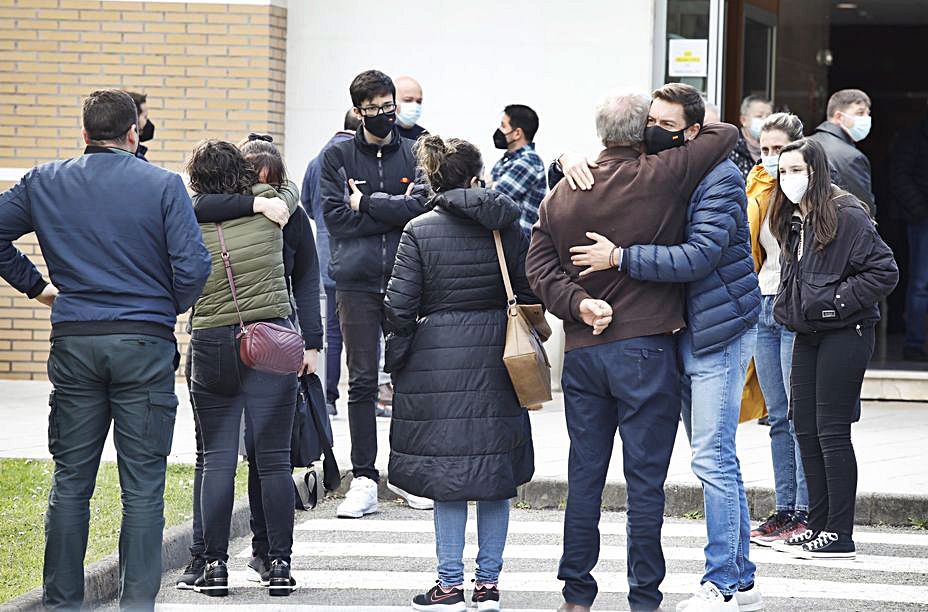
(889, 440)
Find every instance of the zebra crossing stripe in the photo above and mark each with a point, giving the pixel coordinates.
(609, 582)
(670, 530)
(305, 608)
(762, 556)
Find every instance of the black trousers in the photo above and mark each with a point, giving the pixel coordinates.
(828, 371)
(361, 315)
(222, 388)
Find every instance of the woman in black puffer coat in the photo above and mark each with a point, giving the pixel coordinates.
(458, 433)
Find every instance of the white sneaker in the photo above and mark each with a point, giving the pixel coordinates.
(361, 499)
(708, 599)
(415, 502)
(750, 601)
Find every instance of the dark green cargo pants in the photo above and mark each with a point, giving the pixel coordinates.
(128, 380)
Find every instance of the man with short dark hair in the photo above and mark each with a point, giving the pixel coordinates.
(722, 307)
(409, 108)
(754, 110)
(124, 274)
(370, 190)
(847, 123)
(623, 373)
(520, 173)
(146, 127)
(311, 197)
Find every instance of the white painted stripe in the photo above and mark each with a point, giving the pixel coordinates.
(304, 608)
(671, 530)
(762, 556)
(609, 582)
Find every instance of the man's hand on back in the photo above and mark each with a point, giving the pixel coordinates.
(48, 295)
(576, 169)
(601, 255)
(597, 314)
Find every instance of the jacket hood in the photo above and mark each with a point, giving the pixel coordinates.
(836, 131)
(491, 209)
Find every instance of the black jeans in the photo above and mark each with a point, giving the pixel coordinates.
(361, 315)
(221, 389)
(333, 348)
(828, 371)
(634, 386)
(126, 379)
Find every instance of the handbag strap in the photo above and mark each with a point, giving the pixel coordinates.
(228, 266)
(501, 256)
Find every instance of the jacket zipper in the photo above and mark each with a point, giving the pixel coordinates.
(383, 237)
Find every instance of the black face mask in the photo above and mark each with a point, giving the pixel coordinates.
(499, 139)
(381, 125)
(148, 132)
(657, 139)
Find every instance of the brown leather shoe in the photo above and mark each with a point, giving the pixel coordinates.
(569, 607)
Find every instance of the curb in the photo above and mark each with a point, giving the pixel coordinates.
(101, 579)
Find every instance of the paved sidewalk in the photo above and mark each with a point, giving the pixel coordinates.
(890, 441)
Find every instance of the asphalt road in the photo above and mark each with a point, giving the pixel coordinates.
(380, 562)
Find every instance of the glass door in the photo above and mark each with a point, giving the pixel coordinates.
(760, 36)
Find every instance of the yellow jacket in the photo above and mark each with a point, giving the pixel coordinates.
(760, 187)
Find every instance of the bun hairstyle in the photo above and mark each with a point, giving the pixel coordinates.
(448, 164)
(216, 166)
(788, 123)
(263, 154)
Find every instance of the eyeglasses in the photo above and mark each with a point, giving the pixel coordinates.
(373, 111)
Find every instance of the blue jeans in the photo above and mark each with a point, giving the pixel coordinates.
(916, 301)
(773, 360)
(450, 528)
(712, 386)
(634, 386)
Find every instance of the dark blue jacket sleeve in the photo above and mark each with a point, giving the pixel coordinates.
(16, 221)
(189, 257)
(309, 195)
(719, 204)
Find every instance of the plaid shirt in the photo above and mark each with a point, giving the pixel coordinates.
(520, 174)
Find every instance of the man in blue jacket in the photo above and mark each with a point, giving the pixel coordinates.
(311, 196)
(723, 303)
(125, 256)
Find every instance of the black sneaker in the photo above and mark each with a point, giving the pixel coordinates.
(214, 581)
(828, 545)
(259, 570)
(331, 409)
(193, 571)
(280, 583)
(437, 598)
(794, 542)
(486, 596)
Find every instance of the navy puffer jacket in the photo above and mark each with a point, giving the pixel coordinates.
(458, 431)
(722, 298)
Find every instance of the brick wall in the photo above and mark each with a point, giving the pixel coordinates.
(210, 70)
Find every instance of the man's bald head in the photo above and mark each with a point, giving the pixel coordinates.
(408, 90)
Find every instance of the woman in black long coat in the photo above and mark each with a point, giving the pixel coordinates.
(458, 433)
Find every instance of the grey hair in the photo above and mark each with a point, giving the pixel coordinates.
(621, 119)
(788, 123)
(747, 102)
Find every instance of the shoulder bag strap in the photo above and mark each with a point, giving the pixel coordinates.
(228, 266)
(501, 256)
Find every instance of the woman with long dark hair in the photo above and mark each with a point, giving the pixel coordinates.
(222, 387)
(835, 270)
(458, 433)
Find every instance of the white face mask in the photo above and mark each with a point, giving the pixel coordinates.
(756, 124)
(771, 164)
(860, 129)
(794, 186)
(409, 114)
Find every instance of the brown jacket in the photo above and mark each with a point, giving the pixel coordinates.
(637, 199)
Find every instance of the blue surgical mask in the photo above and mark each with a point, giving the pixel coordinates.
(861, 127)
(756, 124)
(409, 114)
(771, 164)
